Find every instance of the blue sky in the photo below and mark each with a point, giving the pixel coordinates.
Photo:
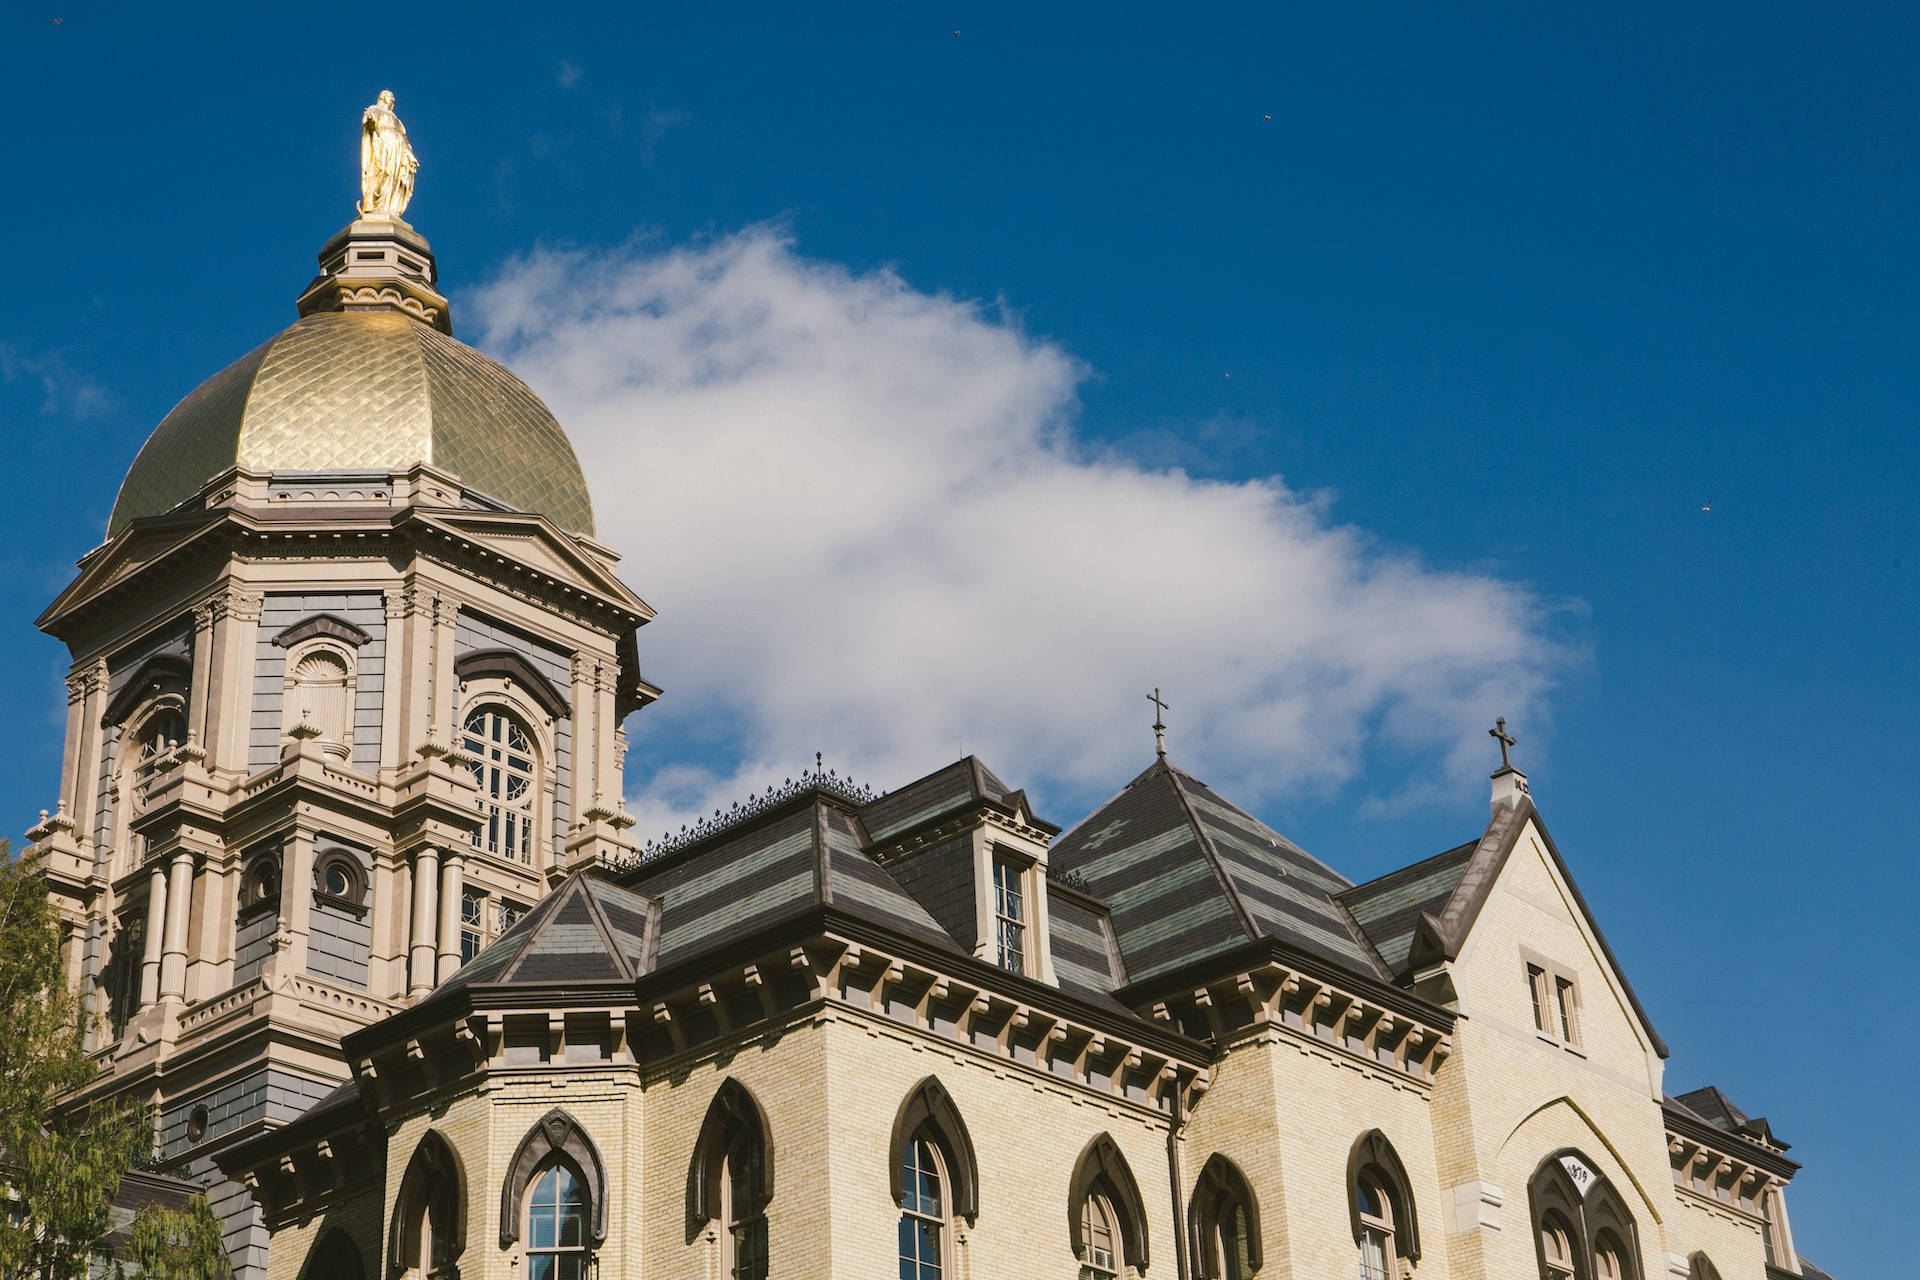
(1491, 306)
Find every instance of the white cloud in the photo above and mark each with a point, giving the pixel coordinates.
(870, 529)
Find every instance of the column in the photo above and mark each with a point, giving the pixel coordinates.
(173, 956)
(452, 882)
(421, 954)
(156, 925)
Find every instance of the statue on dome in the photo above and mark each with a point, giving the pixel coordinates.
(387, 162)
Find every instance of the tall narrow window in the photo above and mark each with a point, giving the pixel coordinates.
(557, 1227)
(744, 1211)
(1557, 1250)
(1236, 1241)
(503, 765)
(1768, 1231)
(473, 937)
(923, 1213)
(1606, 1262)
(1376, 1230)
(1537, 988)
(1009, 915)
(1100, 1243)
(1567, 1003)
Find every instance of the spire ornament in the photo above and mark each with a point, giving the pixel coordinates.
(387, 162)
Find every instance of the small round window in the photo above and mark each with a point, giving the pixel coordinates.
(197, 1124)
(263, 885)
(339, 883)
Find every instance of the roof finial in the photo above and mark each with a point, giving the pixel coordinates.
(1509, 784)
(1159, 723)
(1499, 734)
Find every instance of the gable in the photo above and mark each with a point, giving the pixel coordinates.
(1532, 912)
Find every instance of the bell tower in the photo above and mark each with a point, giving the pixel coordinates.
(347, 687)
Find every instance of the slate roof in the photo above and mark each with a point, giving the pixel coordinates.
(587, 930)
(941, 794)
(802, 855)
(1388, 909)
(1720, 1111)
(1187, 875)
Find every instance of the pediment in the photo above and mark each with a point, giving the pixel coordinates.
(124, 556)
(537, 544)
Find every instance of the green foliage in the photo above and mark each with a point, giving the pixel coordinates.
(63, 1165)
(176, 1244)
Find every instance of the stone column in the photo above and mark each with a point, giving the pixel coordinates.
(422, 953)
(156, 925)
(452, 882)
(173, 955)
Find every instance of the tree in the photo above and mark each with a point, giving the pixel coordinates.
(62, 1162)
(176, 1244)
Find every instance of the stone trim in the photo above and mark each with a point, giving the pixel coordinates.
(1103, 1170)
(1373, 1155)
(733, 1109)
(929, 1111)
(1220, 1187)
(322, 625)
(556, 1137)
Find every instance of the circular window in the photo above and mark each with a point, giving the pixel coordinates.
(264, 885)
(339, 883)
(197, 1124)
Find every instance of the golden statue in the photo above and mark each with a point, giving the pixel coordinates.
(387, 162)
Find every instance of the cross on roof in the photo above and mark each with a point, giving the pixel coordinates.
(1159, 724)
(1499, 734)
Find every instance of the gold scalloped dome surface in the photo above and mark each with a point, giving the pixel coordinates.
(369, 390)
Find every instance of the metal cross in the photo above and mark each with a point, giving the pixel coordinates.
(1159, 724)
(1499, 734)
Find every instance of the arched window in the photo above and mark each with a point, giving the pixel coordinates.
(1700, 1267)
(261, 884)
(159, 733)
(505, 766)
(557, 1179)
(1385, 1222)
(924, 1206)
(429, 1222)
(1556, 1249)
(1225, 1222)
(336, 1257)
(317, 692)
(1582, 1226)
(935, 1178)
(557, 1226)
(1106, 1221)
(1376, 1229)
(339, 875)
(732, 1180)
(1100, 1256)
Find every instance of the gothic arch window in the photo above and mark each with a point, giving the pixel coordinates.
(1700, 1267)
(429, 1218)
(1581, 1226)
(1225, 1222)
(556, 1142)
(1380, 1203)
(935, 1179)
(506, 765)
(557, 1224)
(1104, 1192)
(319, 691)
(731, 1180)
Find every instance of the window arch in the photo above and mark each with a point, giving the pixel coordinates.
(1700, 1267)
(556, 1140)
(338, 874)
(1581, 1227)
(319, 691)
(164, 728)
(1102, 1178)
(731, 1180)
(1225, 1223)
(1380, 1203)
(506, 765)
(429, 1215)
(928, 1112)
(260, 885)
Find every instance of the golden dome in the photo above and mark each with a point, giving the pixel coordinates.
(363, 390)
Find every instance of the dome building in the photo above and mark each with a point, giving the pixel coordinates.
(346, 875)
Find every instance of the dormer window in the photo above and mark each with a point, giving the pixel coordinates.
(1009, 914)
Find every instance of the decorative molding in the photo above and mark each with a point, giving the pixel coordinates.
(328, 625)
